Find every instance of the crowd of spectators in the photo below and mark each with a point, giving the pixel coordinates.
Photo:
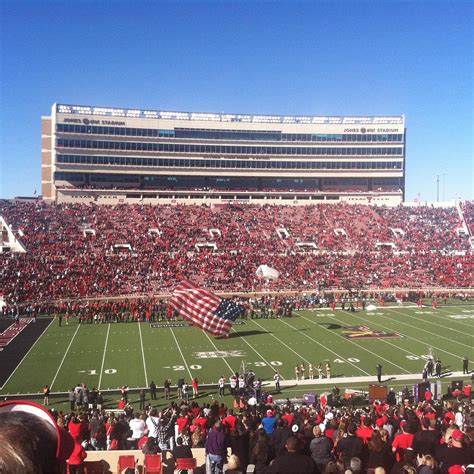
(78, 251)
(426, 437)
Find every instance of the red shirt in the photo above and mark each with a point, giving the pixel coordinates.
(329, 433)
(402, 441)
(289, 417)
(75, 429)
(365, 433)
(78, 455)
(230, 420)
(201, 422)
(182, 421)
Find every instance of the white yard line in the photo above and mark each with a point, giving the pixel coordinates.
(103, 357)
(429, 321)
(181, 352)
(323, 346)
(232, 371)
(258, 353)
(446, 310)
(456, 343)
(378, 356)
(24, 357)
(64, 357)
(281, 342)
(143, 353)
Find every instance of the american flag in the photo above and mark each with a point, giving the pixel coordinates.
(205, 309)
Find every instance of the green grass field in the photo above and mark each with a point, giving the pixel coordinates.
(108, 356)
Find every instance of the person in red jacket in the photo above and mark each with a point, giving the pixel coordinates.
(76, 460)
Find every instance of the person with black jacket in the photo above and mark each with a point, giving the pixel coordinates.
(350, 446)
(153, 390)
(427, 440)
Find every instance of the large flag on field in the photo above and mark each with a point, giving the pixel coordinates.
(205, 309)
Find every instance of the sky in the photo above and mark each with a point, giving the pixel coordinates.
(294, 57)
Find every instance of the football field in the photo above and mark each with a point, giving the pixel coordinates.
(107, 356)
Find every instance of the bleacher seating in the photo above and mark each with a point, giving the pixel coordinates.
(123, 257)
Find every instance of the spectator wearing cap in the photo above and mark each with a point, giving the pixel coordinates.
(454, 453)
(31, 440)
(269, 423)
(403, 440)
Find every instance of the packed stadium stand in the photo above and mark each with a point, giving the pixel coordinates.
(90, 251)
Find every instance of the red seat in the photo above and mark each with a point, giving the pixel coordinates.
(125, 462)
(185, 463)
(152, 464)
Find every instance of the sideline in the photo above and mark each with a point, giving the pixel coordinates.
(24, 357)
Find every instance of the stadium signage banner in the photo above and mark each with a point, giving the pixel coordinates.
(94, 121)
(371, 130)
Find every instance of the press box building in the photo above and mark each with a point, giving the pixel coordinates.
(114, 155)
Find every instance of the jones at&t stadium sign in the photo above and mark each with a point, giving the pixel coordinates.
(87, 121)
(371, 130)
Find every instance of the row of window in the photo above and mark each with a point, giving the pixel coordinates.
(234, 164)
(222, 149)
(285, 137)
(117, 131)
(229, 182)
(260, 135)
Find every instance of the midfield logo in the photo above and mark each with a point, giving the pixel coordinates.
(364, 332)
(218, 354)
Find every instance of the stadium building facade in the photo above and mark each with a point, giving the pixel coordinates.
(113, 155)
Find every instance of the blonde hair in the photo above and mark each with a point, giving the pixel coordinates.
(429, 460)
(234, 462)
(449, 432)
(317, 431)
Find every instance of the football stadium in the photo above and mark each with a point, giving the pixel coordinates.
(235, 275)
